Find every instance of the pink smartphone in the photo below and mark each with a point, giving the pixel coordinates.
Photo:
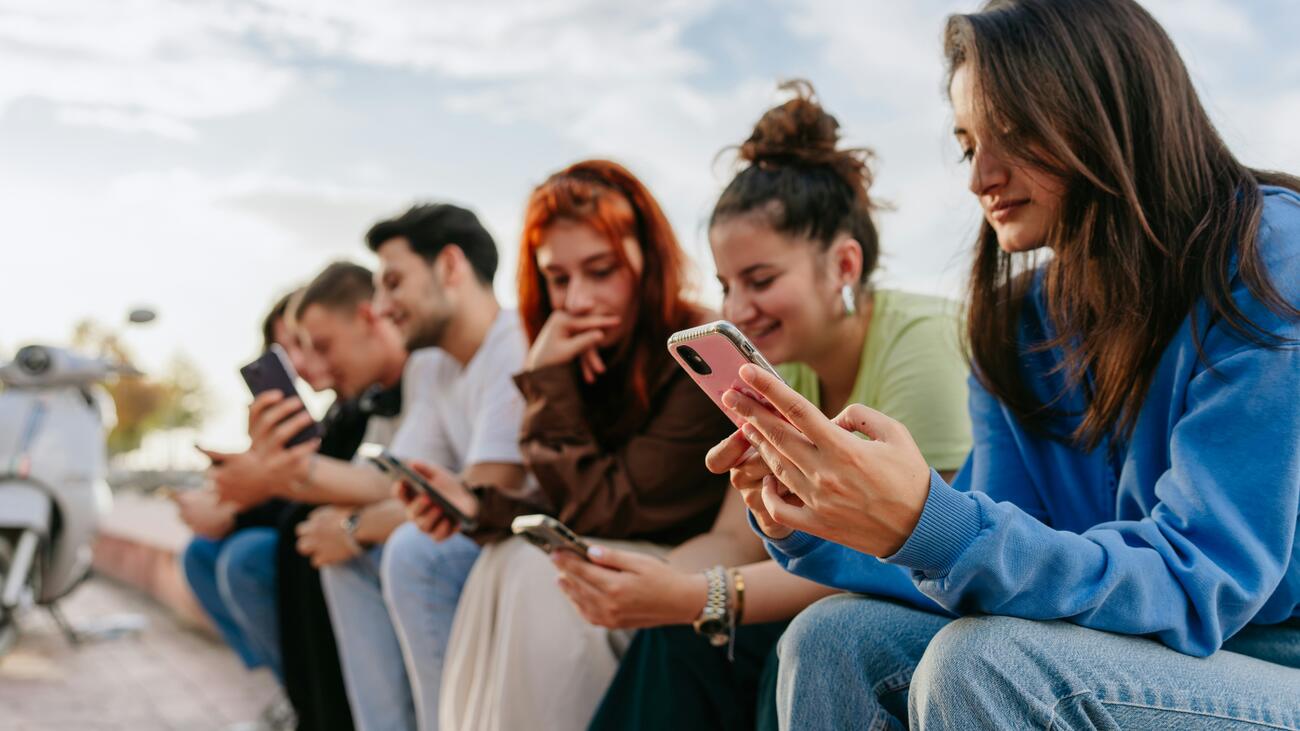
(712, 355)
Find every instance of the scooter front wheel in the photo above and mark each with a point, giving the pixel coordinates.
(8, 622)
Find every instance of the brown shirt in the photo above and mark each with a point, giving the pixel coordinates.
(650, 485)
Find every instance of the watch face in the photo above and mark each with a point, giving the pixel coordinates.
(711, 626)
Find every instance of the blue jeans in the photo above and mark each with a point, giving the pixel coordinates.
(422, 582)
(234, 580)
(857, 662)
(425, 579)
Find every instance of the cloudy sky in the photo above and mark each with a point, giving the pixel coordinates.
(203, 157)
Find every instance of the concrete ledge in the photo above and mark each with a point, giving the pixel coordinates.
(139, 544)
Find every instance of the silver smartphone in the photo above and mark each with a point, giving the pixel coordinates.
(549, 534)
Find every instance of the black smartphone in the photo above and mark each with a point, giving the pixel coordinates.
(549, 534)
(395, 467)
(273, 372)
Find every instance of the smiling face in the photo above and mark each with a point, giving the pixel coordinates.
(409, 292)
(775, 288)
(585, 275)
(1020, 203)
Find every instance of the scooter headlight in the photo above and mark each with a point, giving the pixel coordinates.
(33, 359)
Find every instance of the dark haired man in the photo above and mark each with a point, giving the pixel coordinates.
(435, 276)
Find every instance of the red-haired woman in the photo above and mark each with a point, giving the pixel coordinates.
(614, 432)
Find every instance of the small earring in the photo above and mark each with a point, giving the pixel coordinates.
(850, 299)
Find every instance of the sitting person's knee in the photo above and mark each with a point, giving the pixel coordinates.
(817, 633)
(969, 651)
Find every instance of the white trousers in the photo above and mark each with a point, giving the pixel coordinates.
(520, 655)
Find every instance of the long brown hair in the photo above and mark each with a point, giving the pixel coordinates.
(613, 202)
(1154, 210)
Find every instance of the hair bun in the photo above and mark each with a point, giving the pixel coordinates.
(801, 133)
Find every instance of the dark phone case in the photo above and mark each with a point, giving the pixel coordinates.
(392, 465)
(267, 373)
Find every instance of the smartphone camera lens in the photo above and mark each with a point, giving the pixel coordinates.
(694, 360)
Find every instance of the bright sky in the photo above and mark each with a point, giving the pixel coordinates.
(203, 158)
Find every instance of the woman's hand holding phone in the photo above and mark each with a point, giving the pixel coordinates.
(825, 480)
(629, 590)
(566, 337)
(738, 458)
(427, 515)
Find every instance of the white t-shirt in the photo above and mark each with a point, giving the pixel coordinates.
(459, 416)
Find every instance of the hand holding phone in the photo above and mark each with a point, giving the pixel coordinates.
(272, 371)
(712, 356)
(408, 476)
(549, 534)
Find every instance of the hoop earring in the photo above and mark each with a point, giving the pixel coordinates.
(850, 299)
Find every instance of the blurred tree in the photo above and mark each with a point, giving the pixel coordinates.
(173, 400)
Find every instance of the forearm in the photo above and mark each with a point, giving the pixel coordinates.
(773, 595)
(844, 568)
(378, 521)
(329, 481)
(715, 547)
(730, 542)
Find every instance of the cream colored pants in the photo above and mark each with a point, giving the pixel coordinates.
(520, 655)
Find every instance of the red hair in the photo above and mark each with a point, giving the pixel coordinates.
(610, 200)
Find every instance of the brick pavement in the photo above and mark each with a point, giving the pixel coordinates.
(167, 678)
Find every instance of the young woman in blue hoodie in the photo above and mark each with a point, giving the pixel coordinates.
(1119, 549)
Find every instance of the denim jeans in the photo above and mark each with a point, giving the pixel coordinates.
(423, 579)
(234, 580)
(373, 673)
(858, 662)
(422, 582)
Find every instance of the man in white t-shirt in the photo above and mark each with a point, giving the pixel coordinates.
(435, 283)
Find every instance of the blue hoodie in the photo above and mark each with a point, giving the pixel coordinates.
(1186, 532)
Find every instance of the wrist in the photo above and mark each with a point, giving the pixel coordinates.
(303, 472)
(691, 595)
(349, 524)
(773, 531)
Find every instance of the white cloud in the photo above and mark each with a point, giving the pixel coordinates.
(126, 121)
(155, 63)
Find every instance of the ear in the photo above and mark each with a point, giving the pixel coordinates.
(451, 266)
(844, 260)
(366, 311)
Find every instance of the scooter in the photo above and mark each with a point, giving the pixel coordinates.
(54, 417)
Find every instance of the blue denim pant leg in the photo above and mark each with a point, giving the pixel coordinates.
(422, 581)
(1001, 672)
(246, 577)
(373, 671)
(199, 563)
(846, 663)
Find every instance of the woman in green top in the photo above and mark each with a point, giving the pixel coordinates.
(795, 246)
